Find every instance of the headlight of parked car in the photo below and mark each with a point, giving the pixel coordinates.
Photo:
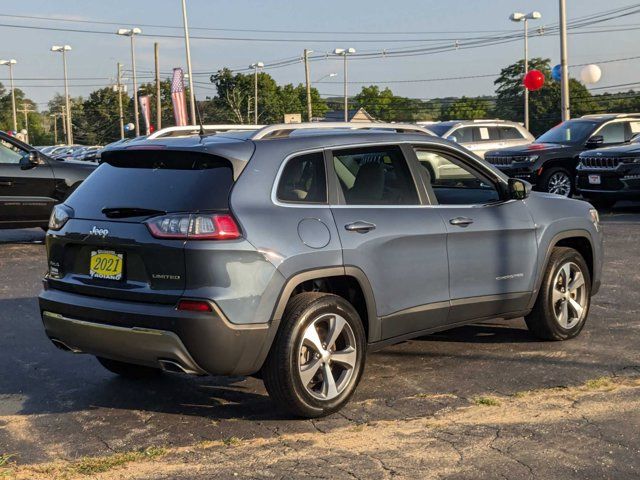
(59, 216)
(532, 158)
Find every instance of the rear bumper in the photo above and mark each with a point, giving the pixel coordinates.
(150, 334)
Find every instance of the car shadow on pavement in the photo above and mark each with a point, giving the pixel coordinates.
(482, 333)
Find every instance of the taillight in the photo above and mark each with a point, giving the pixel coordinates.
(194, 306)
(194, 226)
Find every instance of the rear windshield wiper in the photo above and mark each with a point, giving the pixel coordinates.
(124, 212)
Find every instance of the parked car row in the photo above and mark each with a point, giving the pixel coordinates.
(595, 156)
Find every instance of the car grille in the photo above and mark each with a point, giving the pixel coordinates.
(506, 159)
(602, 162)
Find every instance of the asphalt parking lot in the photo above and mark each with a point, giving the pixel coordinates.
(483, 401)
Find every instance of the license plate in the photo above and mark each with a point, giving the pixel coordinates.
(106, 264)
(595, 179)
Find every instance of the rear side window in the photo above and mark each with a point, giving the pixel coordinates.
(510, 133)
(375, 176)
(613, 133)
(485, 134)
(164, 181)
(304, 180)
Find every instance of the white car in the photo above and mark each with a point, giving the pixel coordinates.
(480, 136)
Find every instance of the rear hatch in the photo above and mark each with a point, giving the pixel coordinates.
(107, 249)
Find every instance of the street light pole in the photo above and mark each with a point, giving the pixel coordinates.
(132, 32)
(564, 81)
(64, 49)
(255, 67)
(308, 82)
(55, 127)
(188, 48)
(10, 64)
(120, 112)
(521, 17)
(345, 52)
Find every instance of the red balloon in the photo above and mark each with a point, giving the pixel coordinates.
(534, 80)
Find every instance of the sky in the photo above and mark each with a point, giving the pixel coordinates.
(367, 25)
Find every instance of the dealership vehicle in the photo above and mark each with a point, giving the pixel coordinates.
(66, 152)
(31, 183)
(479, 136)
(550, 162)
(289, 252)
(606, 175)
(87, 154)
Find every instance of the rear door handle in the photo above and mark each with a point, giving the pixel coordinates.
(461, 221)
(6, 184)
(360, 227)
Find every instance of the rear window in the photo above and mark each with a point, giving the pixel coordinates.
(165, 181)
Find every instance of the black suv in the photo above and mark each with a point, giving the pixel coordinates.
(31, 183)
(607, 175)
(550, 162)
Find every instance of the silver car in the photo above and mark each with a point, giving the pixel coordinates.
(480, 136)
(290, 252)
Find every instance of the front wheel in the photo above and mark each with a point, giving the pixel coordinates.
(562, 306)
(318, 357)
(557, 180)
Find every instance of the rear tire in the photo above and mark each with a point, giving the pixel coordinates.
(557, 180)
(129, 370)
(562, 306)
(318, 356)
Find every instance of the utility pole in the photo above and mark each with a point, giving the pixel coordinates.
(64, 49)
(120, 112)
(156, 54)
(64, 124)
(55, 127)
(308, 81)
(564, 81)
(26, 110)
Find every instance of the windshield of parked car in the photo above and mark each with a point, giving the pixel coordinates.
(439, 128)
(571, 132)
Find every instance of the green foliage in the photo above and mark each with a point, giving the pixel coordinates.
(466, 108)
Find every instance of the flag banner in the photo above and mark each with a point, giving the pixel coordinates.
(145, 107)
(178, 97)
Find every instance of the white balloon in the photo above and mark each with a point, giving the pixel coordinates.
(590, 74)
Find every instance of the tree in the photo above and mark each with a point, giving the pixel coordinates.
(544, 104)
(466, 108)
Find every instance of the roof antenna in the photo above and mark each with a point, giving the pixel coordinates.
(201, 132)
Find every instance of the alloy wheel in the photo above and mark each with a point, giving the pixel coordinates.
(569, 296)
(327, 356)
(560, 184)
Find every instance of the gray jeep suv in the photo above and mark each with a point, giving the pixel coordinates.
(291, 252)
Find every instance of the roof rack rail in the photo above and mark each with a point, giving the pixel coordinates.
(283, 130)
(611, 115)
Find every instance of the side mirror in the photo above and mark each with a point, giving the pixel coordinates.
(595, 141)
(452, 138)
(30, 160)
(519, 189)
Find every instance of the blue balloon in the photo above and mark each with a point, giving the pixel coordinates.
(556, 73)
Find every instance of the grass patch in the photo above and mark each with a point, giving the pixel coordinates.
(597, 383)
(231, 441)
(487, 401)
(4, 459)
(95, 465)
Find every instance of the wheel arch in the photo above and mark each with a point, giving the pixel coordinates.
(348, 282)
(579, 240)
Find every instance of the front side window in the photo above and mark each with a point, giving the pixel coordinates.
(613, 133)
(304, 180)
(375, 176)
(510, 133)
(10, 153)
(463, 135)
(453, 182)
